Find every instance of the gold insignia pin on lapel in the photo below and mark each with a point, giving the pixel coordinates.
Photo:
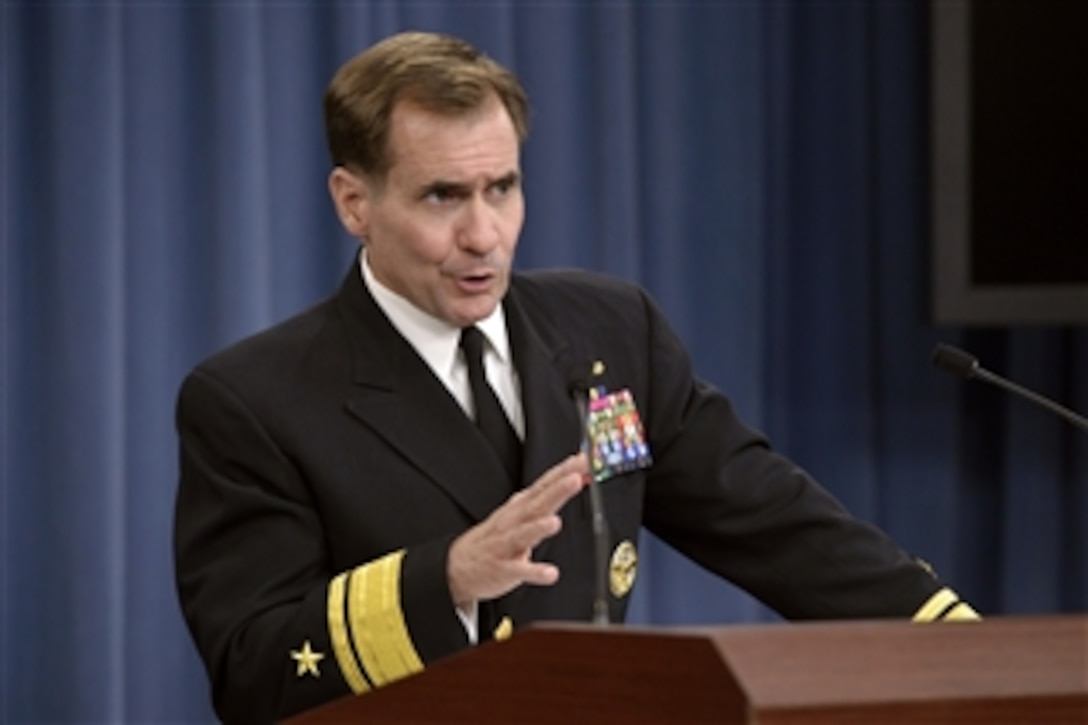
(598, 368)
(623, 569)
(307, 660)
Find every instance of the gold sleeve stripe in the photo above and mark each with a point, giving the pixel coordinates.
(936, 605)
(345, 657)
(376, 621)
(962, 612)
(403, 658)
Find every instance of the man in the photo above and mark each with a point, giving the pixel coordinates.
(342, 521)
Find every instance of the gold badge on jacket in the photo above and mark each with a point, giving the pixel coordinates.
(504, 630)
(623, 569)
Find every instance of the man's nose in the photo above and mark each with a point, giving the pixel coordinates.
(479, 228)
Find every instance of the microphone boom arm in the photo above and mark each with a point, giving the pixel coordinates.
(1078, 420)
(600, 527)
(954, 360)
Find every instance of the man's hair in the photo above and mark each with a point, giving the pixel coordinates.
(441, 73)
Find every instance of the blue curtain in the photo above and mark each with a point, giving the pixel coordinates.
(760, 167)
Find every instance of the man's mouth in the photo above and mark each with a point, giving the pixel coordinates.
(476, 281)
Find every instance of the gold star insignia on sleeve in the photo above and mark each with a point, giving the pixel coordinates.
(307, 660)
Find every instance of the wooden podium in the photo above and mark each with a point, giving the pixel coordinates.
(1004, 670)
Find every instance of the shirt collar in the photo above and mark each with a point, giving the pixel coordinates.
(435, 340)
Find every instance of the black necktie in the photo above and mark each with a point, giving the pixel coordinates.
(490, 417)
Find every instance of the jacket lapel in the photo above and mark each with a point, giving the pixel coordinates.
(543, 359)
(400, 399)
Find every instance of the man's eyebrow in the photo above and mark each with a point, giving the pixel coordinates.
(510, 177)
(445, 187)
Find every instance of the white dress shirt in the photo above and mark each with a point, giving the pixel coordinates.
(437, 342)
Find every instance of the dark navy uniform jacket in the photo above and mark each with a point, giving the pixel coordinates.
(325, 471)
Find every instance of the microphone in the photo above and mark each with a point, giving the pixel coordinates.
(954, 360)
(578, 377)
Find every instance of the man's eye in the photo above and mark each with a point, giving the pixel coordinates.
(443, 194)
(504, 186)
(439, 195)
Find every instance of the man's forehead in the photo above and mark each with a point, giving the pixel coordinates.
(412, 119)
(455, 150)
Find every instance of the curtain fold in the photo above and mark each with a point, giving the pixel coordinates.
(760, 167)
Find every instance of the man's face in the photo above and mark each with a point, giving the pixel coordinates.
(442, 229)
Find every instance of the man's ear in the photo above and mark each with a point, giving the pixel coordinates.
(351, 197)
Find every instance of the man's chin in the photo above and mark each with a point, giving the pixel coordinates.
(472, 311)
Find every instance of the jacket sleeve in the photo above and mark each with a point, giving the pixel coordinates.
(720, 494)
(279, 631)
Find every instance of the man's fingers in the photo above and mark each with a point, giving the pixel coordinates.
(529, 534)
(495, 556)
(557, 486)
(540, 573)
